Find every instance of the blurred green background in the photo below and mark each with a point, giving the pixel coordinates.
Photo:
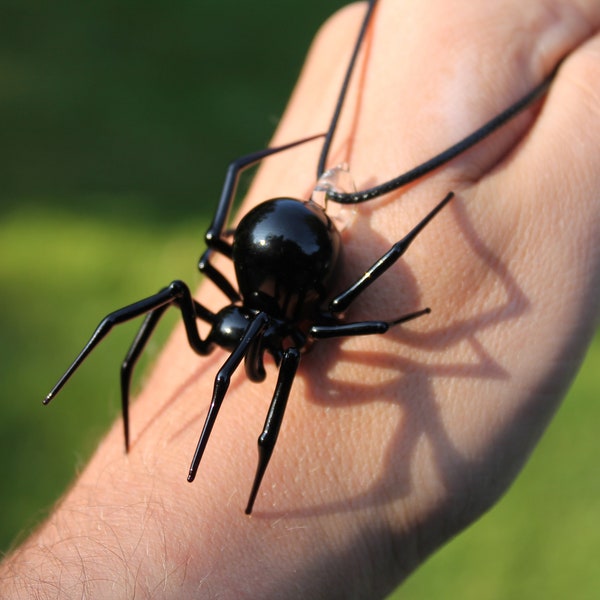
(117, 121)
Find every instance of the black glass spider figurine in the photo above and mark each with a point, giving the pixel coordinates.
(285, 253)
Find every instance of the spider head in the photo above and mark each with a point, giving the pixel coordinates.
(229, 326)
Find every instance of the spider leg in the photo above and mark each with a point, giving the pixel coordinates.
(130, 360)
(255, 328)
(341, 302)
(216, 234)
(176, 293)
(267, 439)
(343, 91)
(362, 327)
(137, 346)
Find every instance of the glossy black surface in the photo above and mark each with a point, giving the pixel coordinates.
(285, 253)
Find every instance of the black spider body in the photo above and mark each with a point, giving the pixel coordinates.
(285, 254)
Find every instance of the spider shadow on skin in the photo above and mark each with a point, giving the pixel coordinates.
(407, 383)
(410, 386)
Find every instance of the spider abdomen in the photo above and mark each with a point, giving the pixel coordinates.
(285, 252)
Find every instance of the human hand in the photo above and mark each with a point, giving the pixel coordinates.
(392, 443)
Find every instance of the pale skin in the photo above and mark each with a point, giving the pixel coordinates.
(391, 444)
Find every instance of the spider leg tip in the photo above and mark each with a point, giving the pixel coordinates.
(250, 505)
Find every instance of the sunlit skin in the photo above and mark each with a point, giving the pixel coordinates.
(390, 444)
